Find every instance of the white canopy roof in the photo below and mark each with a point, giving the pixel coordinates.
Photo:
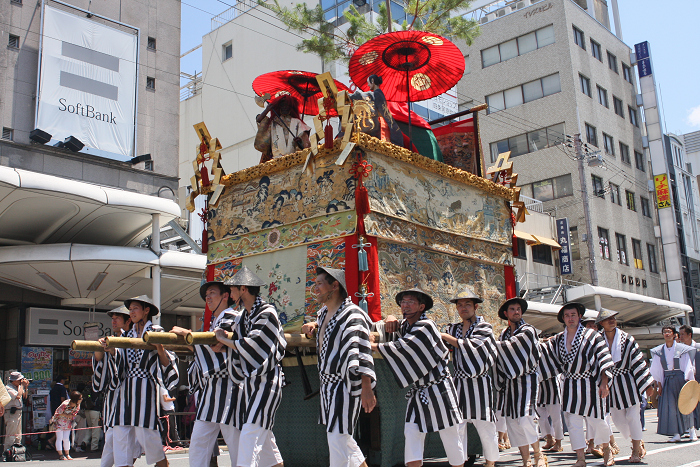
(633, 308)
(544, 316)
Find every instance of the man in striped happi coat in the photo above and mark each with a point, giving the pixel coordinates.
(548, 400)
(418, 358)
(474, 354)
(516, 378)
(101, 377)
(671, 368)
(345, 366)
(584, 360)
(137, 374)
(630, 379)
(218, 395)
(685, 334)
(255, 356)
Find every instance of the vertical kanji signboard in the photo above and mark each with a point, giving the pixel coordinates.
(565, 252)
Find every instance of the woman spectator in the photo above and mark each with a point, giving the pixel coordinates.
(63, 418)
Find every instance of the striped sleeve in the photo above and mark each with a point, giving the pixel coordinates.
(355, 346)
(260, 349)
(194, 377)
(415, 354)
(168, 376)
(100, 375)
(640, 369)
(117, 368)
(478, 351)
(549, 363)
(514, 353)
(603, 364)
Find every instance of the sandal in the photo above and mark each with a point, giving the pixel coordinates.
(644, 451)
(556, 447)
(541, 461)
(580, 463)
(635, 458)
(501, 447)
(615, 449)
(608, 457)
(549, 444)
(61, 457)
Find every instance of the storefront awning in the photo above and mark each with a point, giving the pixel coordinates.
(539, 240)
(524, 235)
(634, 308)
(650, 336)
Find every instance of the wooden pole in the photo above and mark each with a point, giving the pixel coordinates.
(163, 338)
(126, 343)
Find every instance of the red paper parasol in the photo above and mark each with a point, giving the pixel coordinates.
(414, 65)
(300, 84)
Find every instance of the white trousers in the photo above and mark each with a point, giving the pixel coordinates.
(415, 442)
(487, 434)
(148, 439)
(343, 450)
(257, 447)
(62, 440)
(501, 422)
(522, 430)
(628, 422)
(596, 429)
(203, 440)
(554, 428)
(107, 459)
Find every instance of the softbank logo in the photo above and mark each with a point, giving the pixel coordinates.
(88, 85)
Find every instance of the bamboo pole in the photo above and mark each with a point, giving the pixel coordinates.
(163, 338)
(125, 343)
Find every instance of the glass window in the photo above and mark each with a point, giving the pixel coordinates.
(612, 62)
(532, 90)
(467, 68)
(545, 36)
(509, 50)
(585, 85)
(227, 51)
(522, 251)
(518, 145)
(624, 153)
(639, 161)
(573, 243)
(495, 102)
(490, 56)
(537, 140)
(621, 248)
(563, 186)
(513, 97)
(633, 116)
(615, 194)
(542, 254)
(595, 50)
(608, 144)
(646, 210)
(598, 189)
(551, 84)
(637, 252)
(604, 243)
(602, 97)
(630, 200)
(651, 252)
(591, 135)
(578, 38)
(527, 43)
(619, 108)
(326, 4)
(497, 148)
(544, 190)
(556, 134)
(627, 73)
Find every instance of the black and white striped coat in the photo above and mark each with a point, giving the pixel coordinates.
(255, 362)
(630, 375)
(549, 377)
(101, 377)
(516, 370)
(582, 367)
(344, 357)
(219, 396)
(136, 375)
(419, 358)
(474, 355)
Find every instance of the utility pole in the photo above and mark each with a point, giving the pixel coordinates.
(586, 209)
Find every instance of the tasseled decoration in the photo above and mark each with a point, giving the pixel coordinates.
(362, 294)
(205, 233)
(362, 263)
(360, 170)
(204, 172)
(328, 138)
(514, 238)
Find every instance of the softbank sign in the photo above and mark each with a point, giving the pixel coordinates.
(87, 85)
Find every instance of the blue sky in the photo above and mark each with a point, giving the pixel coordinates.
(670, 26)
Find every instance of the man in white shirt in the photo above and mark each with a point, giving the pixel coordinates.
(167, 403)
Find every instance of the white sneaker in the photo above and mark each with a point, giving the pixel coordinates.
(692, 434)
(675, 439)
(79, 449)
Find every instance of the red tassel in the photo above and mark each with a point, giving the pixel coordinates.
(205, 241)
(515, 245)
(362, 201)
(204, 172)
(328, 141)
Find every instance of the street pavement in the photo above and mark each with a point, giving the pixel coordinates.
(659, 454)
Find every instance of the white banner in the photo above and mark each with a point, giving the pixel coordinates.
(87, 86)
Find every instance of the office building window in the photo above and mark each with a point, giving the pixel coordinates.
(633, 116)
(467, 66)
(585, 85)
(591, 135)
(579, 38)
(627, 73)
(226, 51)
(573, 243)
(529, 142)
(608, 144)
(625, 153)
(604, 243)
(150, 83)
(595, 50)
(639, 161)
(651, 253)
(553, 188)
(602, 97)
(598, 189)
(637, 252)
(630, 200)
(522, 252)
(151, 44)
(13, 41)
(612, 62)
(518, 46)
(615, 194)
(542, 254)
(619, 107)
(621, 248)
(527, 92)
(646, 207)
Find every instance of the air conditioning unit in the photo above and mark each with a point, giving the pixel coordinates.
(650, 185)
(501, 12)
(645, 142)
(640, 100)
(689, 167)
